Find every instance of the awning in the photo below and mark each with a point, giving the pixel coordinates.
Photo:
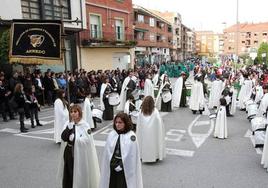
(140, 30)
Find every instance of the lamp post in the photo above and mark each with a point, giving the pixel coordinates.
(237, 34)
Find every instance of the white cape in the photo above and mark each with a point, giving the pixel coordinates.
(259, 93)
(123, 95)
(221, 123)
(86, 166)
(151, 137)
(176, 94)
(130, 157)
(215, 93)
(148, 88)
(103, 87)
(197, 99)
(61, 115)
(233, 104)
(87, 113)
(245, 93)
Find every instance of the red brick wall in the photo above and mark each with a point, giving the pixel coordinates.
(109, 15)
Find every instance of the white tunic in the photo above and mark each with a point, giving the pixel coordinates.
(148, 88)
(245, 93)
(86, 172)
(130, 158)
(215, 93)
(176, 95)
(151, 137)
(87, 113)
(61, 115)
(123, 95)
(221, 123)
(197, 100)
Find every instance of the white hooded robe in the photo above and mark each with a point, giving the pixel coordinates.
(148, 88)
(61, 115)
(221, 123)
(130, 158)
(151, 137)
(87, 113)
(215, 93)
(86, 172)
(176, 94)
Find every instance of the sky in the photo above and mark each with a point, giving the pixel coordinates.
(212, 15)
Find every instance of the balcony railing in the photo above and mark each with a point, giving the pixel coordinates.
(107, 39)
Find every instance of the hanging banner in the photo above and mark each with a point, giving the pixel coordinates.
(35, 42)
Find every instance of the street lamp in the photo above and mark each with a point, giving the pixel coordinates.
(237, 32)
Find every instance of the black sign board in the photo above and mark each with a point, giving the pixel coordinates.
(36, 39)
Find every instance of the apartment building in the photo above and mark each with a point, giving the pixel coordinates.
(175, 20)
(108, 42)
(153, 35)
(250, 36)
(208, 43)
(51, 10)
(188, 42)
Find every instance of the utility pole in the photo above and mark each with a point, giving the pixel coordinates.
(237, 34)
(63, 50)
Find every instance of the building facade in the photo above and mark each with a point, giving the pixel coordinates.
(51, 10)
(250, 36)
(174, 19)
(209, 44)
(108, 42)
(153, 35)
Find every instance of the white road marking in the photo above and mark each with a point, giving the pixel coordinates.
(179, 152)
(174, 135)
(35, 137)
(8, 130)
(28, 122)
(107, 131)
(199, 139)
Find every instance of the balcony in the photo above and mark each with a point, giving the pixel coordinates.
(107, 40)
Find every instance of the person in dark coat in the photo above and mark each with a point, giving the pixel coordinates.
(108, 113)
(20, 99)
(33, 107)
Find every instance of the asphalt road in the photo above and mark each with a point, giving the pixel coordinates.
(194, 157)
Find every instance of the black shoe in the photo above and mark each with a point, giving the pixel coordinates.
(230, 115)
(39, 124)
(5, 120)
(242, 109)
(32, 126)
(23, 130)
(12, 118)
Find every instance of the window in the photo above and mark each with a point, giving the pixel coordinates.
(140, 18)
(45, 9)
(30, 9)
(140, 35)
(119, 25)
(152, 37)
(95, 26)
(52, 9)
(152, 22)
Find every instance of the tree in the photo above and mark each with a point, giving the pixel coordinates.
(4, 47)
(263, 49)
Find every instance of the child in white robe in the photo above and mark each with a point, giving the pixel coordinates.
(221, 121)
